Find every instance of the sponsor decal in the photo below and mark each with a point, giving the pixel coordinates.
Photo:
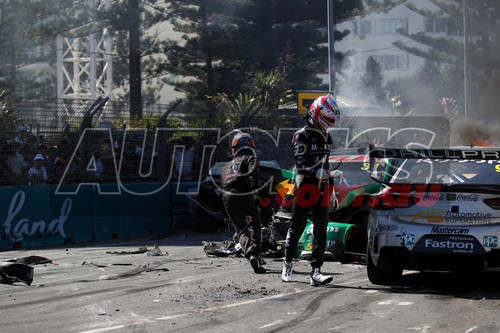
(408, 239)
(16, 226)
(310, 230)
(449, 230)
(429, 215)
(438, 216)
(490, 241)
(435, 153)
(387, 227)
(467, 197)
(448, 244)
(473, 217)
(433, 197)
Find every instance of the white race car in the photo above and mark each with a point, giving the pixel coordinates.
(439, 209)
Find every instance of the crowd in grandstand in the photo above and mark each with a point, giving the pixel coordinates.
(30, 160)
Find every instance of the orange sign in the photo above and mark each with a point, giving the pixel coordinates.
(306, 97)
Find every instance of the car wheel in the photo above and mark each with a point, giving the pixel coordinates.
(387, 272)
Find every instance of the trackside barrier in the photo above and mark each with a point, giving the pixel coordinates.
(36, 216)
(180, 207)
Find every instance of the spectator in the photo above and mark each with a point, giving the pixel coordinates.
(96, 166)
(184, 159)
(129, 163)
(37, 174)
(62, 165)
(48, 155)
(21, 135)
(16, 164)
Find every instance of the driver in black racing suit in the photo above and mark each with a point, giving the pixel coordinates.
(311, 146)
(240, 182)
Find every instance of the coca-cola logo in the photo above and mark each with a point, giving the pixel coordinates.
(467, 197)
(433, 196)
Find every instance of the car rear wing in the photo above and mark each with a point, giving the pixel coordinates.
(452, 153)
(384, 161)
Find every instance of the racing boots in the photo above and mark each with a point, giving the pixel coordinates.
(317, 278)
(256, 265)
(286, 274)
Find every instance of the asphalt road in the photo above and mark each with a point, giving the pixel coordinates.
(112, 287)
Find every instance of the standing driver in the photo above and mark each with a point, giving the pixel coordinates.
(311, 148)
(240, 182)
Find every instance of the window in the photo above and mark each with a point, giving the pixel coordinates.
(402, 24)
(402, 62)
(387, 62)
(390, 26)
(365, 27)
(432, 25)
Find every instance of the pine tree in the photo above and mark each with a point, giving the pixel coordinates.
(477, 53)
(225, 43)
(372, 79)
(18, 34)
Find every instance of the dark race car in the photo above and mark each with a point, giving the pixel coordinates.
(208, 202)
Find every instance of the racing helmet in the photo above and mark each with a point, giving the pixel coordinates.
(323, 112)
(242, 140)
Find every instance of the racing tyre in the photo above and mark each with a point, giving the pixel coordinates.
(388, 272)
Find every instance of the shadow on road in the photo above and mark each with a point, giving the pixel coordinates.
(469, 285)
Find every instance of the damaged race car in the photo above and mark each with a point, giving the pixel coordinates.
(438, 209)
(346, 231)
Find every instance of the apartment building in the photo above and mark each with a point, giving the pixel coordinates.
(373, 35)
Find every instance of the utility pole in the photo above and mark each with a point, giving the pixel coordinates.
(135, 61)
(331, 48)
(466, 60)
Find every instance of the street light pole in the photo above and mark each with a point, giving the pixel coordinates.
(466, 60)
(331, 48)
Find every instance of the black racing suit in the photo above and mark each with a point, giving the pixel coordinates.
(311, 149)
(240, 181)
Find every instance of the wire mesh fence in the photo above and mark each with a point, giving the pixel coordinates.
(82, 141)
(48, 142)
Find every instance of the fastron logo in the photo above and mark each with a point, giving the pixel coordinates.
(429, 243)
(490, 241)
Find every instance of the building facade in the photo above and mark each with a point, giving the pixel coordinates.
(374, 35)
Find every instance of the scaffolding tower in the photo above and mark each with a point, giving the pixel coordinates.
(84, 64)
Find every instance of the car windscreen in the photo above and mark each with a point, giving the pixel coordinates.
(356, 173)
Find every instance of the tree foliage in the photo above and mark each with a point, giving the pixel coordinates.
(478, 53)
(227, 47)
(372, 79)
(225, 43)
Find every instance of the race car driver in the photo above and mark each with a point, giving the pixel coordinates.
(311, 147)
(240, 182)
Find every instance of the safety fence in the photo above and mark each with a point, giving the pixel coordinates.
(76, 171)
(96, 141)
(83, 141)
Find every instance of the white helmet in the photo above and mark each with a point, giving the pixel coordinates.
(323, 112)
